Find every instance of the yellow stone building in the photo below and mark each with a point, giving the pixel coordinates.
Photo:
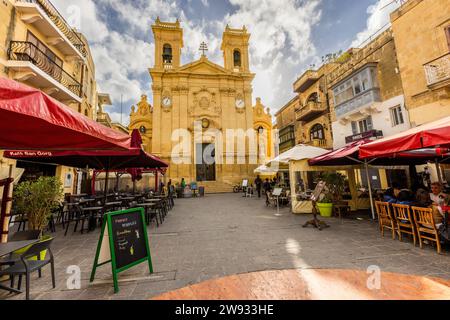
(422, 38)
(287, 126)
(313, 113)
(206, 101)
(40, 49)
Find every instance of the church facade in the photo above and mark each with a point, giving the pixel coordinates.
(203, 122)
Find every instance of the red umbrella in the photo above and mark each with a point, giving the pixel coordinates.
(433, 134)
(102, 160)
(31, 120)
(347, 155)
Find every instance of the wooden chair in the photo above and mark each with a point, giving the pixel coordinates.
(426, 227)
(341, 209)
(405, 220)
(386, 218)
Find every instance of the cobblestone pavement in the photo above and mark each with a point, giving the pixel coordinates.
(227, 234)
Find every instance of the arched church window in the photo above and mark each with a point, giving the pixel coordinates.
(317, 132)
(167, 53)
(237, 58)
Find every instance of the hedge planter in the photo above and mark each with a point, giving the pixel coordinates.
(325, 209)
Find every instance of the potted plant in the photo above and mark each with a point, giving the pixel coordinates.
(37, 199)
(325, 205)
(335, 183)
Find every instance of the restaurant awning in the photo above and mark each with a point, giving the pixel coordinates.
(350, 155)
(299, 152)
(32, 120)
(102, 160)
(433, 134)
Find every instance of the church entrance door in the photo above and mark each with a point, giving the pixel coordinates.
(206, 163)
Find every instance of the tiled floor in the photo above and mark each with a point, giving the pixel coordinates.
(222, 235)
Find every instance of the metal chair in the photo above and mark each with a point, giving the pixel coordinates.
(26, 266)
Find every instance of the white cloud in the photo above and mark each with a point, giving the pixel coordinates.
(379, 18)
(280, 43)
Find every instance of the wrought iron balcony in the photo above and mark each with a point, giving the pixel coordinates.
(60, 23)
(27, 51)
(363, 99)
(438, 70)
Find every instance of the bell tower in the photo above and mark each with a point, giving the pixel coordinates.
(168, 44)
(235, 44)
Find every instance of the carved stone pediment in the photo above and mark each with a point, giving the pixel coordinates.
(205, 101)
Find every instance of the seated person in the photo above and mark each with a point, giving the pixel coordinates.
(438, 199)
(405, 197)
(389, 196)
(422, 199)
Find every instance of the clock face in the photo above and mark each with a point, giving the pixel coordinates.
(167, 102)
(240, 103)
(205, 123)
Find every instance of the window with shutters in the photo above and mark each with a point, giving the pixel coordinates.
(397, 116)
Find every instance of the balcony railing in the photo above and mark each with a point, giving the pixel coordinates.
(59, 21)
(438, 70)
(363, 99)
(321, 143)
(311, 109)
(306, 80)
(27, 51)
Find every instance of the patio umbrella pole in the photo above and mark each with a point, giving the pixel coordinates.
(366, 165)
(438, 170)
(105, 199)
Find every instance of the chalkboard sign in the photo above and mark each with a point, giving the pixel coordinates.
(123, 242)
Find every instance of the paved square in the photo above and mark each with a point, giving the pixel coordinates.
(220, 235)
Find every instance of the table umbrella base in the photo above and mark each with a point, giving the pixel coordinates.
(316, 224)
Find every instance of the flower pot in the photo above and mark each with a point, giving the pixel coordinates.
(325, 209)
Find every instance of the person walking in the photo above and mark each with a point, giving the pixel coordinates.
(267, 188)
(258, 183)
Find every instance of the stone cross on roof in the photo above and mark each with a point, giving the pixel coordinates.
(203, 48)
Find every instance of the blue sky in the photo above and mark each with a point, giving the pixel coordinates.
(288, 36)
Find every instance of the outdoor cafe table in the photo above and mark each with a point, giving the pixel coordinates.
(92, 211)
(146, 206)
(10, 247)
(113, 205)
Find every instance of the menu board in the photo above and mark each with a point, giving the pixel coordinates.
(128, 238)
(123, 243)
(318, 191)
